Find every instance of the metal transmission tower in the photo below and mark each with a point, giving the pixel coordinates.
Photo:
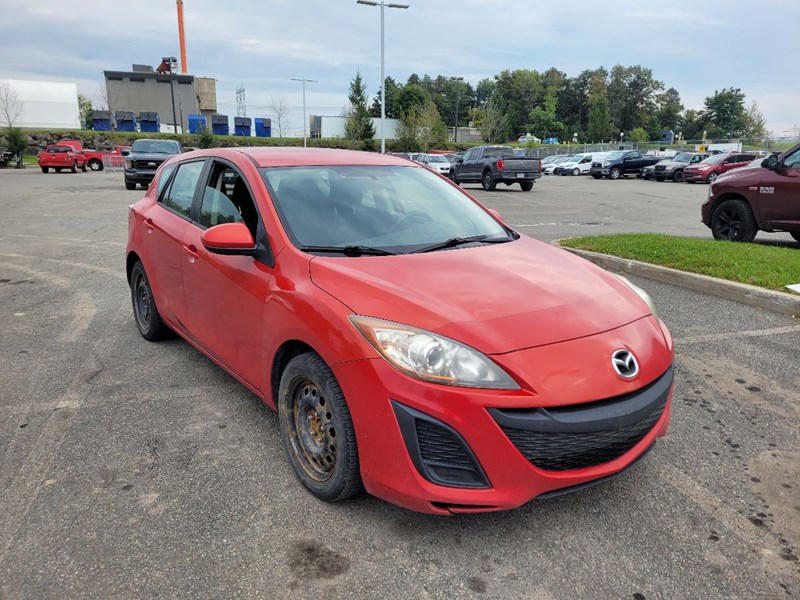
(241, 102)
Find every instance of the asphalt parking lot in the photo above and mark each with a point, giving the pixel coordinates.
(132, 469)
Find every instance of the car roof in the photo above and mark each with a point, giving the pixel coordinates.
(307, 157)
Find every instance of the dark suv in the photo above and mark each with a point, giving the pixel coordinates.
(145, 158)
(765, 197)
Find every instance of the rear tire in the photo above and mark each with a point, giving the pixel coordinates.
(526, 186)
(74, 167)
(83, 168)
(733, 220)
(677, 176)
(796, 236)
(130, 186)
(145, 312)
(317, 429)
(57, 169)
(488, 183)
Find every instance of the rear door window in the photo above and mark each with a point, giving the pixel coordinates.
(180, 195)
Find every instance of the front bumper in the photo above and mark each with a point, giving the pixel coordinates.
(139, 176)
(694, 176)
(505, 473)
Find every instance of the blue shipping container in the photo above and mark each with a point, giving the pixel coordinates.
(263, 127)
(149, 122)
(196, 123)
(219, 124)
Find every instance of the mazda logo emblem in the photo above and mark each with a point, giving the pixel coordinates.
(624, 363)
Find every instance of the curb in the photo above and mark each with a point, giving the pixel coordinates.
(778, 302)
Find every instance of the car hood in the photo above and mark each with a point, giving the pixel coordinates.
(496, 298)
(149, 156)
(672, 163)
(740, 172)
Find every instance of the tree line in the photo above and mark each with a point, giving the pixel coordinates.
(597, 105)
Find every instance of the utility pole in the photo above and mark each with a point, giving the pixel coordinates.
(304, 104)
(455, 118)
(383, 78)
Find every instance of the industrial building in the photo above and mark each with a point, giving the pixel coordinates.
(143, 89)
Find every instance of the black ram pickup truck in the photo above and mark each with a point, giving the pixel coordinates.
(145, 158)
(490, 165)
(621, 163)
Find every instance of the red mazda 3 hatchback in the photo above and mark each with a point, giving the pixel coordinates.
(412, 343)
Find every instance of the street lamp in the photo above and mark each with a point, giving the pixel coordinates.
(304, 104)
(383, 79)
(458, 89)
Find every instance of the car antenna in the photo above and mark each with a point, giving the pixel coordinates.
(245, 139)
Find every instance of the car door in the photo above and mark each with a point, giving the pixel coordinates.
(165, 223)
(462, 169)
(632, 162)
(586, 164)
(225, 295)
(779, 194)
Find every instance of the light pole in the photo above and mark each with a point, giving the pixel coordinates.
(458, 89)
(304, 104)
(383, 79)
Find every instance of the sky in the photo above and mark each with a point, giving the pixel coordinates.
(695, 47)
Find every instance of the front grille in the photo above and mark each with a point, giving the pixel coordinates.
(597, 165)
(565, 451)
(440, 446)
(147, 164)
(576, 437)
(660, 168)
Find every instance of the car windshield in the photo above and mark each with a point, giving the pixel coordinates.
(392, 209)
(155, 147)
(437, 158)
(683, 157)
(616, 155)
(714, 160)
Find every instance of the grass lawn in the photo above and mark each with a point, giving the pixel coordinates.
(765, 266)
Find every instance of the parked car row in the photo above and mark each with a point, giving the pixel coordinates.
(71, 155)
(699, 166)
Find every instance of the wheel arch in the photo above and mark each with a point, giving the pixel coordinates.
(130, 260)
(285, 352)
(733, 196)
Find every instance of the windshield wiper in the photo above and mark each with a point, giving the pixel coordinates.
(459, 241)
(354, 250)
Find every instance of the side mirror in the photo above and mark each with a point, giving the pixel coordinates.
(460, 160)
(771, 162)
(230, 239)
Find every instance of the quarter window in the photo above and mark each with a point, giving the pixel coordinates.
(181, 193)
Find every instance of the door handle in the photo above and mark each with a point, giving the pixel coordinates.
(191, 252)
(149, 225)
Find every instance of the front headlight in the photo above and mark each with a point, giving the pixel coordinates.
(605, 164)
(128, 164)
(432, 357)
(642, 294)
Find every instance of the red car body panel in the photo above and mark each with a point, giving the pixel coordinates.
(533, 308)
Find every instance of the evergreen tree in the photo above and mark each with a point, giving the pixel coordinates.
(359, 123)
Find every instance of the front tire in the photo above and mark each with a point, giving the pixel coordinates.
(45, 169)
(129, 185)
(660, 179)
(96, 165)
(733, 220)
(677, 176)
(712, 177)
(317, 429)
(526, 186)
(597, 176)
(614, 173)
(145, 312)
(488, 183)
(576, 171)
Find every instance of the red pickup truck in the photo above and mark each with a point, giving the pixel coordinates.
(61, 156)
(95, 158)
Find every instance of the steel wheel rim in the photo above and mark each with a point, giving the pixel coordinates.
(729, 224)
(311, 430)
(141, 301)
